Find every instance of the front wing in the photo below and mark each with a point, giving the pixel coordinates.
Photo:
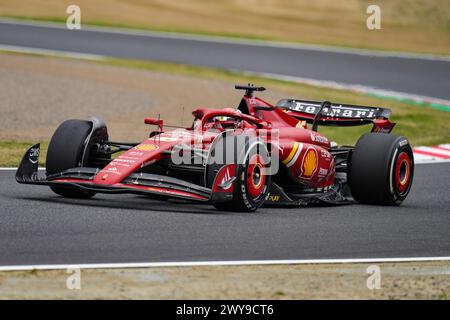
(136, 183)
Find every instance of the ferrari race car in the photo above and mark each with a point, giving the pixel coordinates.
(237, 159)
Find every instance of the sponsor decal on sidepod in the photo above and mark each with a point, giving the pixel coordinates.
(309, 163)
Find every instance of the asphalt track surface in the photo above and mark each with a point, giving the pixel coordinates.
(423, 77)
(38, 227)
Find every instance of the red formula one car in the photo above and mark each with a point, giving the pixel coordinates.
(236, 159)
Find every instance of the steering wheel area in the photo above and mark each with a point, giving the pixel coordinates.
(222, 123)
(224, 119)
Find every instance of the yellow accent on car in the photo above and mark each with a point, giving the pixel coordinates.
(291, 154)
(274, 198)
(146, 147)
(301, 124)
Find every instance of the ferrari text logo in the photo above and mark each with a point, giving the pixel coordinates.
(309, 165)
(338, 111)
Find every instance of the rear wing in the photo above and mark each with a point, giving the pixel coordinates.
(335, 114)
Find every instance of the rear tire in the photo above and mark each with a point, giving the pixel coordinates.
(65, 151)
(381, 169)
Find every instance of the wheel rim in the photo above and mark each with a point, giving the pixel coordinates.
(403, 170)
(256, 178)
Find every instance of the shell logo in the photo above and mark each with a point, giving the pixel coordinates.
(309, 165)
(146, 147)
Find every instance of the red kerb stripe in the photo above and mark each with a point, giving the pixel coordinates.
(441, 148)
(427, 153)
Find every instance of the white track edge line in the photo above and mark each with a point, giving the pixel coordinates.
(54, 53)
(215, 263)
(230, 40)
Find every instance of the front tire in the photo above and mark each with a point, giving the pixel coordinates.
(381, 169)
(65, 151)
(251, 186)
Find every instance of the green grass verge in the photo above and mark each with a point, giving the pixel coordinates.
(421, 124)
